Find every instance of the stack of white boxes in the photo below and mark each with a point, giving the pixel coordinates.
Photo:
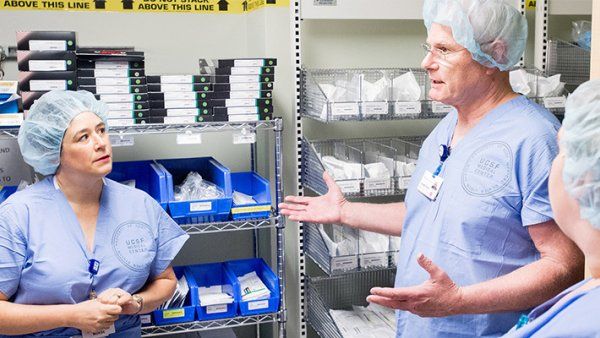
(180, 99)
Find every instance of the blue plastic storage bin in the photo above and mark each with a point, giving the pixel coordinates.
(268, 277)
(198, 211)
(11, 107)
(177, 315)
(6, 191)
(205, 275)
(251, 183)
(148, 176)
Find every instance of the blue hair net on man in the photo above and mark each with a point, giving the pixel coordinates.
(493, 31)
(42, 132)
(580, 140)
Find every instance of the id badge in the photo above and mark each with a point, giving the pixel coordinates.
(430, 185)
(104, 333)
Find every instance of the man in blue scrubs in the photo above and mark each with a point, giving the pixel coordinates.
(479, 243)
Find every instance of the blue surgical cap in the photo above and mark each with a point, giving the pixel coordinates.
(42, 132)
(493, 31)
(580, 140)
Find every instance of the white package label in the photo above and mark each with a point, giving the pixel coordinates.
(377, 183)
(249, 63)
(243, 118)
(241, 137)
(349, 186)
(179, 119)
(555, 102)
(179, 96)
(112, 81)
(180, 104)
(407, 108)
(242, 110)
(262, 304)
(200, 206)
(212, 309)
(183, 112)
(245, 86)
(112, 98)
(47, 45)
(112, 89)
(244, 78)
(440, 108)
(111, 72)
(120, 114)
(120, 122)
(120, 106)
(344, 263)
(245, 95)
(240, 103)
(189, 138)
(375, 108)
(246, 70)
(111, 64)
(122, 141)
(350, 108)
(176, 79)
(47, 65)
(46, 85)
(176, 87)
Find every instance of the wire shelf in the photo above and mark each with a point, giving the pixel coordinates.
(358, 260)
(569, 60)
(554, 102)
(154, 331)
(253, 224)
(359, 153)
(340, 293)
(205, 127)
(329, 95)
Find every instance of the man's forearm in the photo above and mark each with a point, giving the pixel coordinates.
(17, 319)
(522, 289)
(381, 218)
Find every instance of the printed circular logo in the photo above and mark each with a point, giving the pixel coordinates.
(488, 170)
(132, 243)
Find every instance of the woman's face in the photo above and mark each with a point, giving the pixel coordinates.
(86, 148)
(455, 76)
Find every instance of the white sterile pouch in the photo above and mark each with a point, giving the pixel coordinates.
(519, 80)
(241, 198)
(346, 239)
(406, 88)
(550, 86)
(370, 242)
(377, 170)
(377, 91)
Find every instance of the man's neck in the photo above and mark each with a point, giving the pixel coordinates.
(80, 190)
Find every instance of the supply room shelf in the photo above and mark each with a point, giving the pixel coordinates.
(362, 9)
(205, 127)
(570, 7)
(155, 331)
(340, 293)
(254, 224)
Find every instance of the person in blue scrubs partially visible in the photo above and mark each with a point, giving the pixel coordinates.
(575, 197)
(479, 243)
(80, 255)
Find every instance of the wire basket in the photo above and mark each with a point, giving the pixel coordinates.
(569, 60)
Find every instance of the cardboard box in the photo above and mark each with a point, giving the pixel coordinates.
(245, 71)
(128, 105)
(46, 81)
(243, 78)
(251, 86)
(246, 62)
(169, 96)
(109, 54)
(46, 40)
(91, 64)
(115, 89)
(46, 61)
(179, 87)
(179, 79)
(111, 81)
(108, 98)
(110, 72)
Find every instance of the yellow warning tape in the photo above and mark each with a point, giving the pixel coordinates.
(531, 4)
(145, 6)
(250, 209)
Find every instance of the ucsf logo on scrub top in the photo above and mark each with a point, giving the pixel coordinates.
(132, 243)
(488, 170)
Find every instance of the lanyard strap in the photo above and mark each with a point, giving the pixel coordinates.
(444, 152)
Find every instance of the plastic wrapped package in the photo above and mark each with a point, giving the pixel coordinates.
(533, 85)
(377, 91)
(406, 88)
(344, 242)
(582, 33)
(342, 170)
(242, 199)
(196, 188)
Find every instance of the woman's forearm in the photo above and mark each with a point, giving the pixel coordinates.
(156, 293)
(16, 319)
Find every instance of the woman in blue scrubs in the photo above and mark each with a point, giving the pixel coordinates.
(80, 255)
(575, 197)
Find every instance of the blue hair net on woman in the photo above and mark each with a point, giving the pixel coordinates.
(493, 31)
(42, 132)
(580, 140)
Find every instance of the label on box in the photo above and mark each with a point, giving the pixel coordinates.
(244, 78)
(242, 110)
(261, 304)
(146, 319)
(555, 102)
(377, 183)
(244, 95)
(120, 114)
(349, 186)
(111, 64)
(243, 118)
(112, 89)
(375, 108)
(122, 141)
(176, 79)
(189, 138)
(120, 106)
(179, 119)
(108, 98)
(120, 122)
(413, 108)
(7, 120)
(243, 210)
(176, 87)
(212, 309)
(325, 2)
(440, 108)
(373, 260)
(99, 334)
(8, 87)
(248, 63)
(246, 70)
(108, 72)
(200, 206)
(244, 137)
(179, 96)
(403, 182)
(183, 112)
(244, 86)
(112, 81)
(47, 65)
(47, 85)
(344, 263)
(180, 104)
(349, 108)
(174, 313)
(240, 103)
(47, 45)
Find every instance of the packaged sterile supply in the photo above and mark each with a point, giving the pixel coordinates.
(194, 187)
(361, 322)
(178, 298)
(373, 249)
(213, 295)
(533, 85)
(376, 91)
(46, 40)
(252, 287)
(241, 198)
(406, 88)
